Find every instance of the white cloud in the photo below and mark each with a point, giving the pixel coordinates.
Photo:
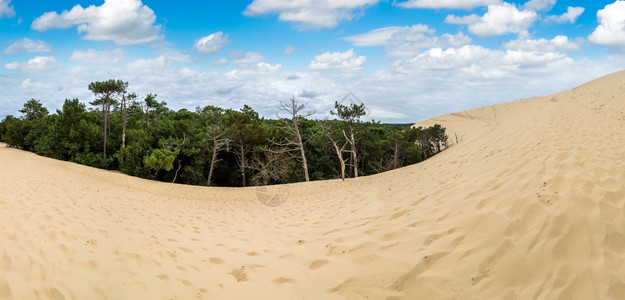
(12, 66)
(571, 14)
(402, 93)
(6, 9)
(310, 14)
(611, 29)
(484, 62)
(36, 64)
(98, 57)
(290, 49)
(449, 59)
(212, 43)
(376, 37)
(27, 45)
(463, 20)
(246, 58)
(526, 59)
(559, 43)
(308, 94)
(452, 4)
(540, 5)
(147, 63)
(26, 83)
(126, 22)
(261, 68)
(498, 20)
(163, 61)
(220, 62)
(338, 60)
(409, 41)
(422, 36)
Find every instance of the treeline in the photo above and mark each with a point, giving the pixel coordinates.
(215, 146)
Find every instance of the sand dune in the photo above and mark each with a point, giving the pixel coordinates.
(530, 204)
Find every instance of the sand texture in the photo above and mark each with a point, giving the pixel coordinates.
(530, 204)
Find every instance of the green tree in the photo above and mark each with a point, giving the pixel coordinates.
(15, 132)
(214, 134)
(33, 110)
(160, 159)
(106, 91)
(244, 130)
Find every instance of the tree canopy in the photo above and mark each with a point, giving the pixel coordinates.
(216, 146)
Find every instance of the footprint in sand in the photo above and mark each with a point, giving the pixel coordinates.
(318, 264)
(239, 274)
(216, 260)
(281, 280)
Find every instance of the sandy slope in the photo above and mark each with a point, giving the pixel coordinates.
(529, 205)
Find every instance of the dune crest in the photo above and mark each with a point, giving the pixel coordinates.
(530, 204)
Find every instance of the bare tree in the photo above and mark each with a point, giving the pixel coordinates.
(270, 166)
(351, 115)
(339, 150)
(216, 140)
(291, 126)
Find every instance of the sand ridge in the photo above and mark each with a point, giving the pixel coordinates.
(530, 204)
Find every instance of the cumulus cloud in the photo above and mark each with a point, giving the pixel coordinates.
(261, 68)
(462, 20)
(146, 63)
(220, 62)
(560, 43)
(308, 94)
(212, 43)
(540, 5)
(27, 45)
(163, 61)
(93, 56)
(338, 60)
(310, 14)
(125, 22)
(249, 57)
(526, 59)
(451, 4)
(408, 41)
(376, 37)
(448, 59)
(498, 20)
(36, 64)
(611, 29)
(6, 9)
(290, 49)
(571, 14)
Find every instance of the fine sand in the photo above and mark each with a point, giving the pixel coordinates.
(528, 205)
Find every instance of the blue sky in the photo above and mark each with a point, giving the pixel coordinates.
(406, 60)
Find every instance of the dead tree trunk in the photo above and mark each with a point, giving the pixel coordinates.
(215, 134)
(354, 154)
(212, 167)
(395, 154)
(339, 151)
(176, 175)
(293, 108)
(124, 120)
(105, 117)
